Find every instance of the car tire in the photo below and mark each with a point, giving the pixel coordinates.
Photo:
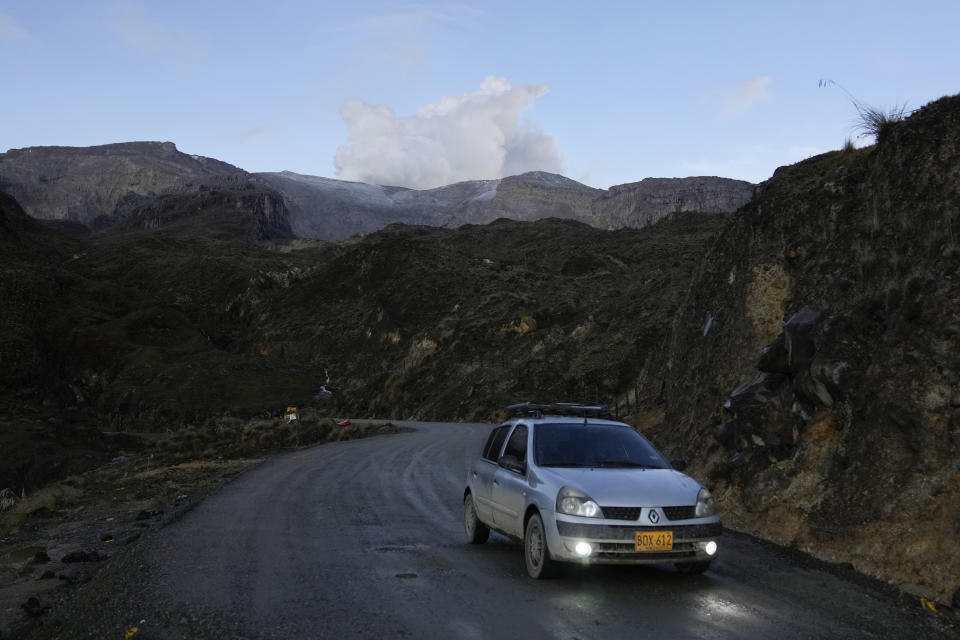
(536, 553)
(692, 567)
(477, 532)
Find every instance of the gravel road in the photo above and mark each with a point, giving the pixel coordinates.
(363, 539)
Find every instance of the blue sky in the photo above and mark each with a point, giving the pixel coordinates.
(604, 92)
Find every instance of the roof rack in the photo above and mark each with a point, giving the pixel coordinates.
(559, 409)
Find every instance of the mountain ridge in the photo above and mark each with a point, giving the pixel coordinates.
(319, 205)
(99, 186)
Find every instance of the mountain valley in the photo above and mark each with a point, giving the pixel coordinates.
(795, 341)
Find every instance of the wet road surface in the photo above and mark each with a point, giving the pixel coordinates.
(363, 539)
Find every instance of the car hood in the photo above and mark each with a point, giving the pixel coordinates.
(627, 487)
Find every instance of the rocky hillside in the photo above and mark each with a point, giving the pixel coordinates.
(37, 443)
(86, 183)
(161, 327)
(638, 204)
(331, 209)
(814, 376)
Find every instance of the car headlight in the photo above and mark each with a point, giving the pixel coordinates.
(705, 504)
(576, 503)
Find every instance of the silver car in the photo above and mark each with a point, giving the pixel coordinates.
(575, 485)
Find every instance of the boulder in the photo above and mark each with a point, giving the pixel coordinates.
(773, 357)
(33, 607)
(839, 377)
(758, 416)
(83, 556)
(798, 339)
(724, 433)
(748, 403)
(809, 389)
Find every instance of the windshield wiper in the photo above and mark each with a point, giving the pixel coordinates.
(564, 464)
(623, 463)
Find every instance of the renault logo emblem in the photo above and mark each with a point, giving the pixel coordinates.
(653, 516)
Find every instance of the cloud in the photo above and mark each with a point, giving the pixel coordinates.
(476, 136)
(138, 32)
(10, 29)
(745, 95)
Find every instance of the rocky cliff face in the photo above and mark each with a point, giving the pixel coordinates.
(536, 195)
(638, 204)
(813, 375)
(84, 183)
(135, 184)
(243, 210)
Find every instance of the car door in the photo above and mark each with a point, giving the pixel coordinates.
(483, 470)
(510, 486)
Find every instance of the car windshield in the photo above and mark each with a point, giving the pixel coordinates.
(593, 445)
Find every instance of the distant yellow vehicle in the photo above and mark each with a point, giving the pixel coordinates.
(290, 414)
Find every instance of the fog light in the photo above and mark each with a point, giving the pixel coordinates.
(583, 549)
(710, 548)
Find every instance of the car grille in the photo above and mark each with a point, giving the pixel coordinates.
(621, 513)
(680, 513)
(632, 513)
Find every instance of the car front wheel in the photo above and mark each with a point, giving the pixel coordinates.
(477, 532)
(535, 551)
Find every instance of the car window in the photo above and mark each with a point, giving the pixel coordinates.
(491, 450)
(594, 445)
(486, 445)
(517, 444)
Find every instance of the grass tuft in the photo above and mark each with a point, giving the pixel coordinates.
(875, 122)
(871, 121)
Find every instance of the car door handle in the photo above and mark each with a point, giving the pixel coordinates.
(474, 474)
(496, 483)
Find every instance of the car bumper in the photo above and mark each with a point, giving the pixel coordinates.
(614, 543)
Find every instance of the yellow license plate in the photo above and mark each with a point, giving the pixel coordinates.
(653, 541)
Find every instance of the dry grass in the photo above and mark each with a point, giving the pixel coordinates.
(185, 464)
(46, 500)
(8, 498)
(875, 122)
(871, 121)
(228, 438)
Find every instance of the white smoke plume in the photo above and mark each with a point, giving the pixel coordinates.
(477, 136)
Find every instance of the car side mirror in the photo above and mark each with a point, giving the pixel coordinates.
(679, 464)
(512, 463)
